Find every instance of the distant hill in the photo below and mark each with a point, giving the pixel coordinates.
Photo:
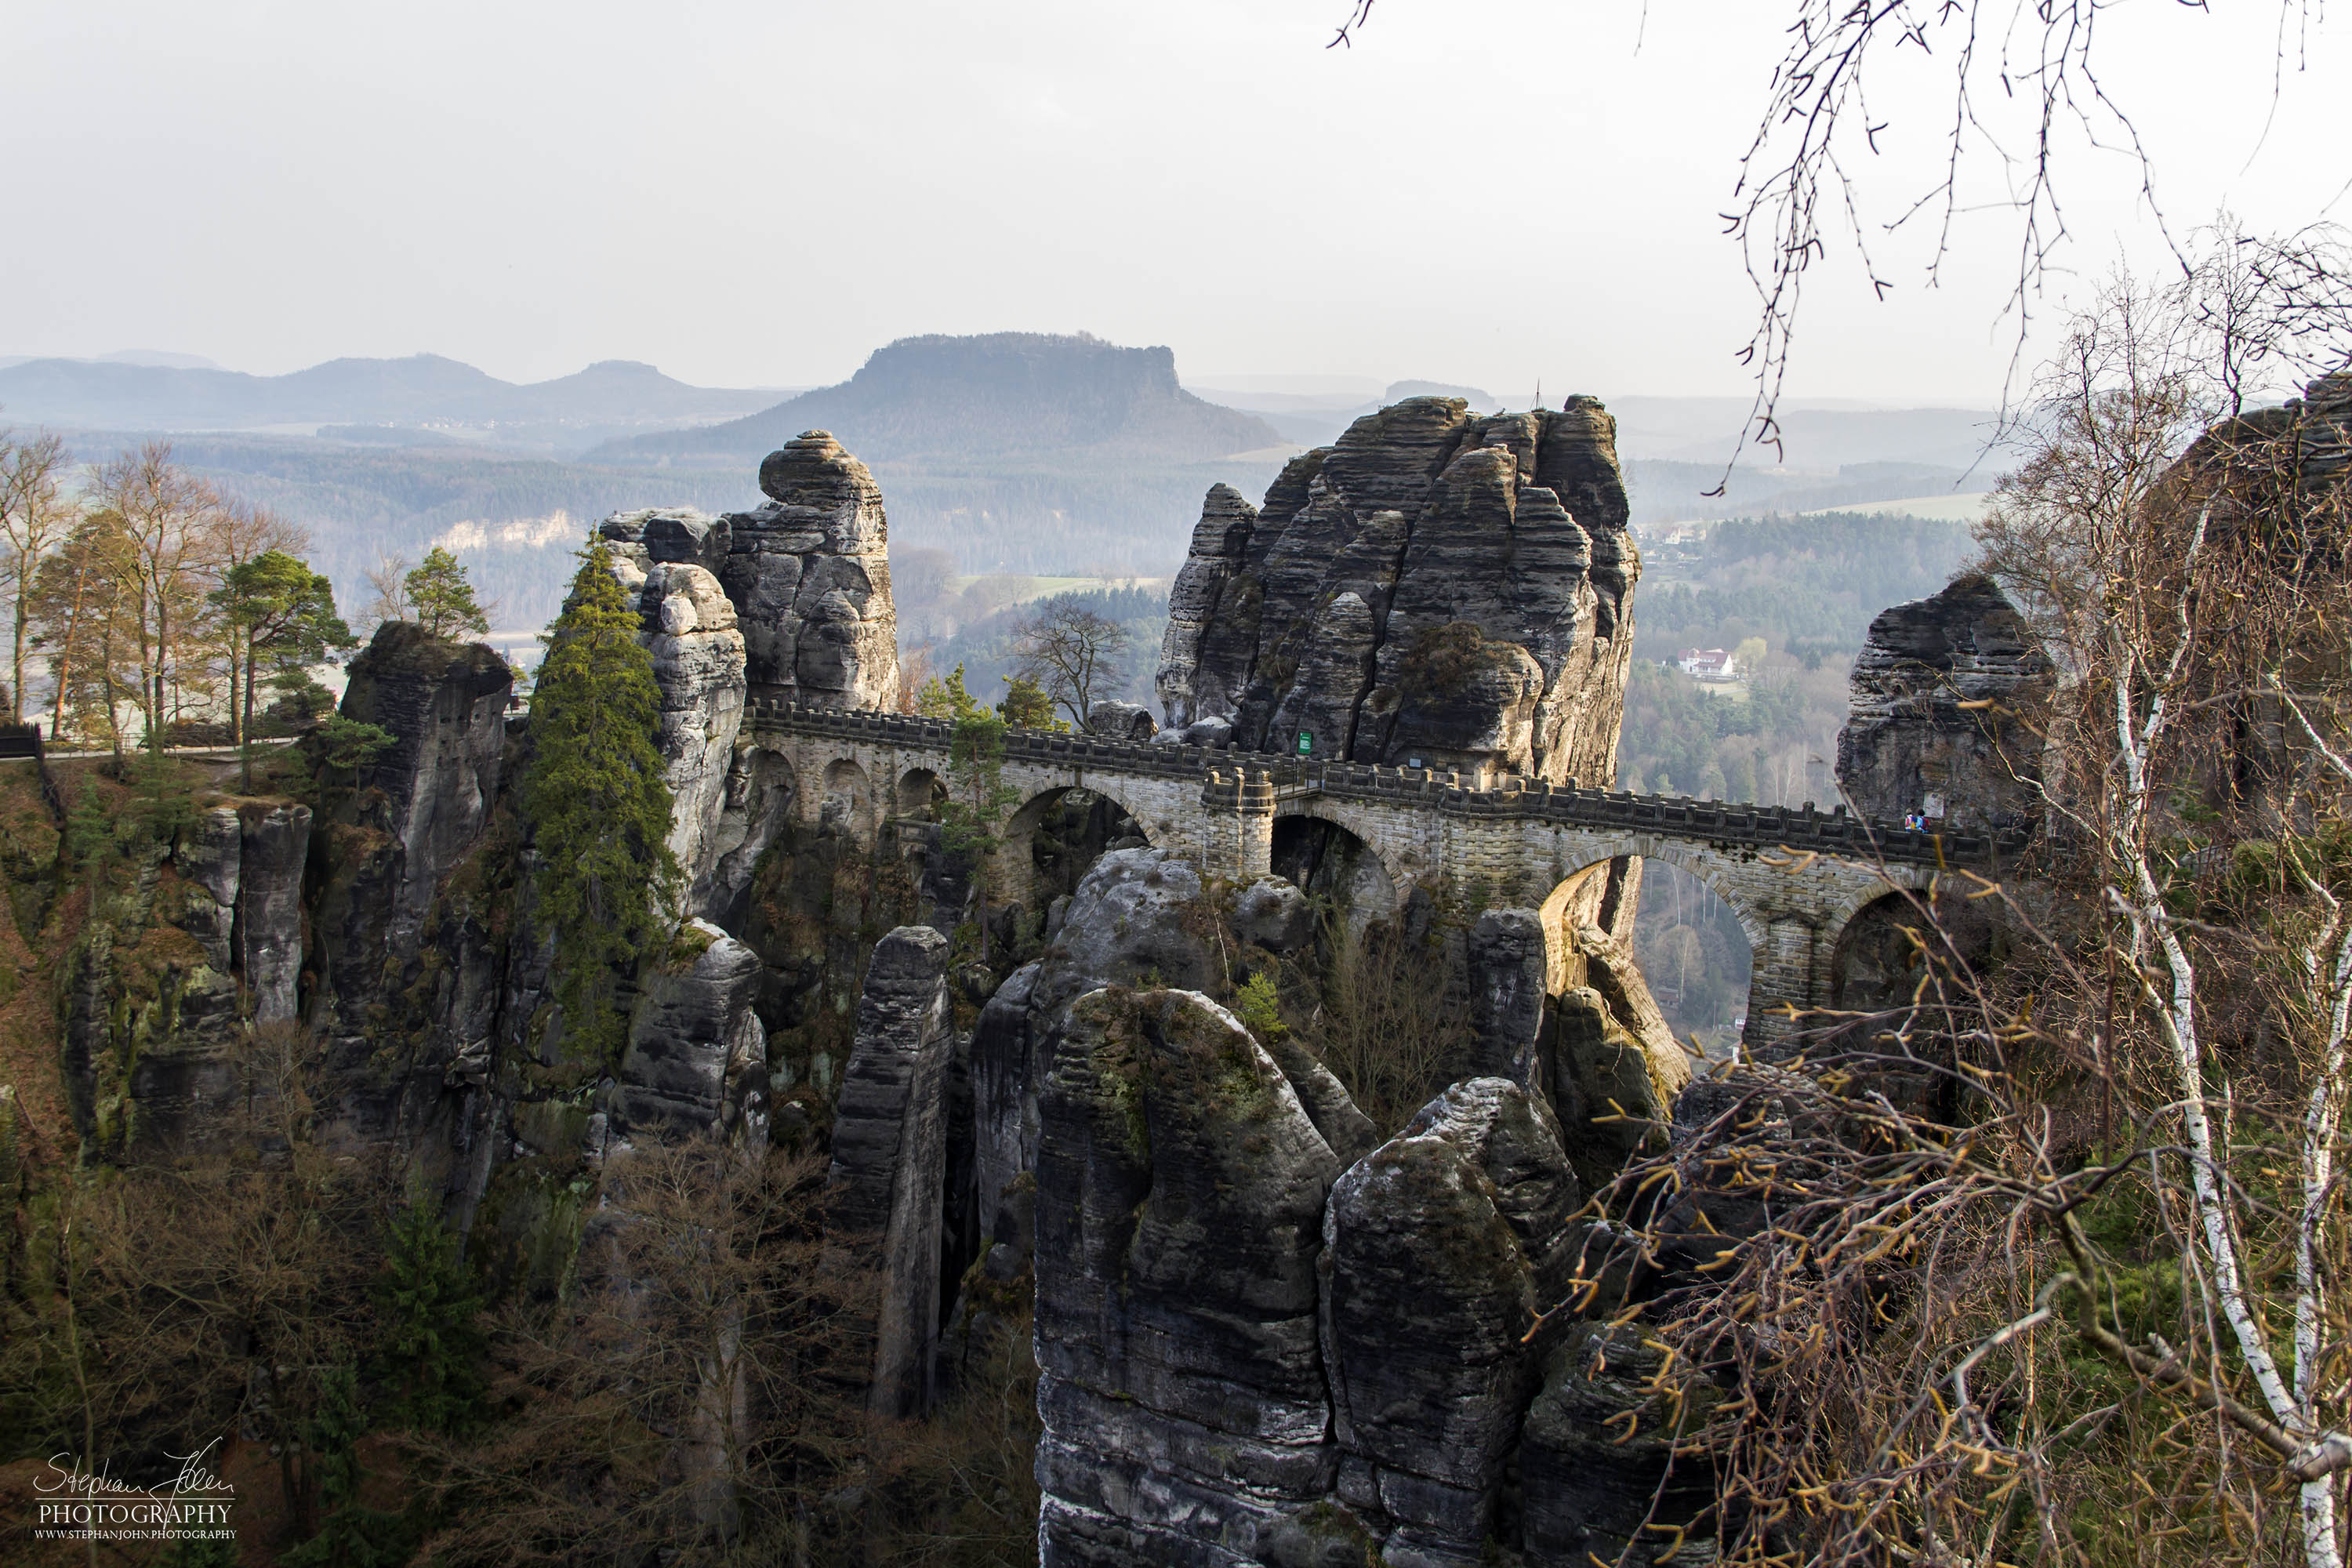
(422, 391)
(1004, 398)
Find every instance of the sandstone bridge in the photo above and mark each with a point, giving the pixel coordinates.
(1795, 878)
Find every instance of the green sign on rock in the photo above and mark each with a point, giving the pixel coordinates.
(1306, 742)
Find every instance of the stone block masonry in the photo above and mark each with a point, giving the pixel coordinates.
(1794, 878)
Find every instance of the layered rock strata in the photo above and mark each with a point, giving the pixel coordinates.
(885, 1190)
(1434, 585)
(1945, 694)
(810, 574)
(699, 664)
(806, 574)
(1180, 1191)
(1440, 1251)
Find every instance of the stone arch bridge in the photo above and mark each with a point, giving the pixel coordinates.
(1795, 879)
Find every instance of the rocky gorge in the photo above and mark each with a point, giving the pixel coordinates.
(1267, 1329)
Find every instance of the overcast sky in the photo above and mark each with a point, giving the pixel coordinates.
(759, 194)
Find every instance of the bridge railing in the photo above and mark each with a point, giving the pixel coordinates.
(1830, 833)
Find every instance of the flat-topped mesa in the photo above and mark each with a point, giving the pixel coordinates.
(1436, 586)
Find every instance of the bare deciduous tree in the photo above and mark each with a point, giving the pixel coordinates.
(2046, 1262)
(2031, 90)
(1072, 652)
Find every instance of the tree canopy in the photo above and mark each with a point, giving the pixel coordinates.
(599, 809)
(441, 599)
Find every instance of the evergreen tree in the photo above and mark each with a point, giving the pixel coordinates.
(433, 1335)
(282, 613)
(597, 803)
(346, 745)
(1026, 706)
(351, 1534)
(946, 699)
(1259, 1008)
(441, 598)
(89, 832)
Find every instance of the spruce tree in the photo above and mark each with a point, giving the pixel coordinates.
(597, 803)
(433, 1332)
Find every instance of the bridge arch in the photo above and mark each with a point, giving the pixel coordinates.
(1699, 861)
(920, 792)
(1642, 868)
(1330, 858)
(1360, 825)
(847, 801)
(1023, 878)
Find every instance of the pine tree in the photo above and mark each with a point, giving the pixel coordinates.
(441, 598)
(1026, 706)
(433, 1333)
(283, 614)
(946, 698)
(597, 803)
(351, 1534)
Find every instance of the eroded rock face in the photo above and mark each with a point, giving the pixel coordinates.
(1596, 1460)
(809, 574)
(1129, 920)
(1508, 967)
(1944, 694)
(697, 1055)
(430, 792)
(690, 629)
(1439, 1250)
(889, 1155)
(1434, 585)
(209, 853)
(273, 845)
(1180, 1194)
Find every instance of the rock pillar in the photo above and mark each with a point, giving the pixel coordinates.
(275, 844)
(889, 1157)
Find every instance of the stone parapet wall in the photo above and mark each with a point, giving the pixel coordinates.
(1803, 828)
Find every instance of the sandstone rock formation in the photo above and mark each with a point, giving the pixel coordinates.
(696, 1055)
(1597, 1457)
(809, 573)
(1508, 967)
(274, 846)
(699, 665)
(1180, 1193)
(889, 1149)
(1433, 586)
(1441, 1248)
(429, 793)
(1944, 694)
(1121, 721)
(806, 575)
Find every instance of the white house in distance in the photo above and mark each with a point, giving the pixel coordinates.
(1707, 664)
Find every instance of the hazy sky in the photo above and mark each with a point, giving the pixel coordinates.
(761, 193)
